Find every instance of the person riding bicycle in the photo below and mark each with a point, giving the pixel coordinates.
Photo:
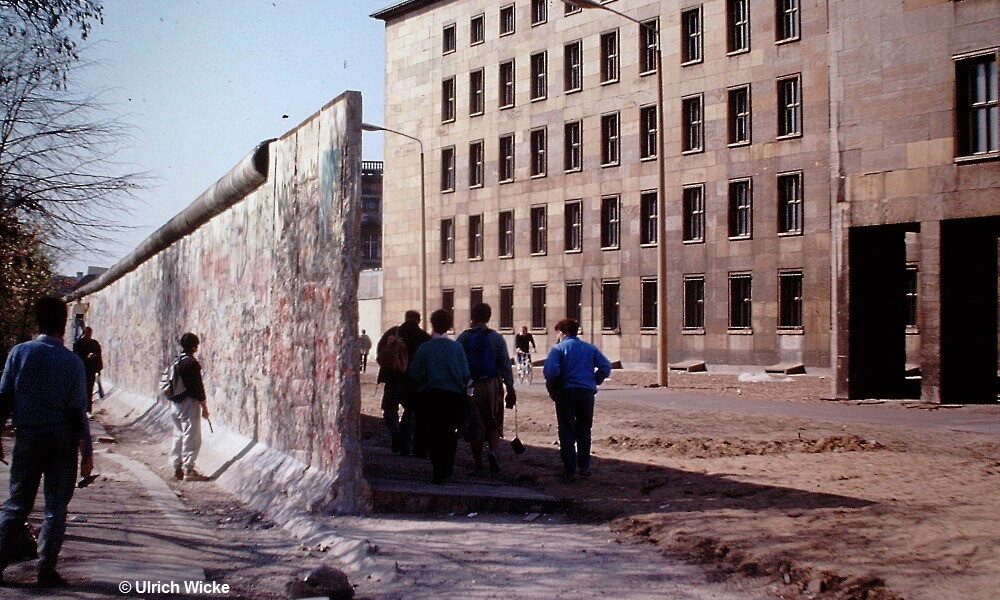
(524, 342)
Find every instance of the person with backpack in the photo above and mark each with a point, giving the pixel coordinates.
(395, 351)
(489, 363)
(185, 389)
(573, 370)
(43, 390)
(441, 374)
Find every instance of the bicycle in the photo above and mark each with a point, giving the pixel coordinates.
(525, 373)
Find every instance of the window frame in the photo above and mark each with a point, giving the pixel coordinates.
(648, 133)
(653, 311)
(448, 240)
(686, 126)
(539, 242)
(477, 109)
(506, 236)
(733, 114)
(539, 167)
(481, 18)
(783, 276)
(649, 232)
(741, 329)
(570, 150)
(800, 202)
(453, 28)
(686, 36)
(477, 168)
(964, 108)
(504, 159)
(611, 229)
(615, 284)
(477, 237)
(733, 210)
(688, 215)
(448, 170)
(912, 298)
(578, 309)
(607, 139)
(647, 47)
(569, 69)
(574, 228)
(796, 107)
(504, 85)
(733, 26)
(506, 309)
(449, 108)
(542, 75)
(513, 19)
(699, 310)
(448, 299)
(779, 21)
(535, 20)
(539, 311)
(611, 60)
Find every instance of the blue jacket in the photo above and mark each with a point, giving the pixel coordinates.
(577, 364)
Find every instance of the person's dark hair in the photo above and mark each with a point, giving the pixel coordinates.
(88, 331)
(481, 313)
(411, 316)
(442, 321)
(568, 327)
(51, 314)
(189, 342)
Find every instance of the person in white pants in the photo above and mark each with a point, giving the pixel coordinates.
(187, 411)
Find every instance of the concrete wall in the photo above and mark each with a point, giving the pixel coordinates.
(270, 286)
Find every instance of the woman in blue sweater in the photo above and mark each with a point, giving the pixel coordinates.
(441, 373)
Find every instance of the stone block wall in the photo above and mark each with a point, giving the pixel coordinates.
(270, 287)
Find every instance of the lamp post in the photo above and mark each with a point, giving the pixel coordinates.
(423, 218)
(662, 367)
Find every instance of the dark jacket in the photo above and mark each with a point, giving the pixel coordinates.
(189, 370)
(412, 336)
(82, 347)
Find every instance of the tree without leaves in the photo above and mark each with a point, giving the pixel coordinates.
(56, 150)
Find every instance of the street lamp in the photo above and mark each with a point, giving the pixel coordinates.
(423, 219)
(662, 367)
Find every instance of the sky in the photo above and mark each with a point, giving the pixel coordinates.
(201, 83)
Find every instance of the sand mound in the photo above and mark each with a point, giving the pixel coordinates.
(699, 447)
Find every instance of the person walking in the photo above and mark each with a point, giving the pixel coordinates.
(43, 389)
(573, 370)
(365, 346)
(395, 351)
(89, 351)
(188, 407)
(489, 363)
(440, 373)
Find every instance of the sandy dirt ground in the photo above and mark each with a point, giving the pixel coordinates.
(812, 509)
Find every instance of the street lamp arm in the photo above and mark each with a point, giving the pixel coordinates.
(367, 127)
(591, 4)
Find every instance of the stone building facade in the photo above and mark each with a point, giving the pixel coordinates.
(371, 214)
(784, 119)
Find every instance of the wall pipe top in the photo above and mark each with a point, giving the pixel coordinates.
(249, 174)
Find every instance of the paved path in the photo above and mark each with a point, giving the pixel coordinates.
(982, 419)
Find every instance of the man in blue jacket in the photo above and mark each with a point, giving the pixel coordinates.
(573, 370)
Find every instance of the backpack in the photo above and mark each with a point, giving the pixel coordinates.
(480, 353)
(171, 385)
(393, 356)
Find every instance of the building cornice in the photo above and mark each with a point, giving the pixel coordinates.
(402, 8)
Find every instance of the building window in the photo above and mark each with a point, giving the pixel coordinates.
(573, 146)
(912, 296)
(790, 203)
(448, 169)
(538, 302)
(740, 301)
(475, 297)
(978, 122)
(449, 41)
(694, 302)
(574, 301)
(647, 132)
(693, 124)
(447, 240)
(790, 300)
(506, 166)
(691, 38)
(475, 237)
(787, 18)
(448, 100)
(790, 106)
(610, 307)
(476, 159)
(477, 30)
(694, 213)
(569, 9)
(574, 226)
(477, 92)
(648, 34)
(506, 234)
(648, 209)
(609, 57)
(507, 89)
(649, 306)
(573, 66)
(609, 140)
(506, 307)
(507, 20)
(448, 300)
(539, 76)
(610, 223)
(739, 115)
(740, 209)
(539, 230)
(539, 156)
(737, 26)
(539, 11)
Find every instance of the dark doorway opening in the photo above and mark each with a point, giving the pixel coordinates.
(969, 312)
(878, 313)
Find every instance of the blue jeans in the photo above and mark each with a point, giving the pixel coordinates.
(52, 454)
(575, 414)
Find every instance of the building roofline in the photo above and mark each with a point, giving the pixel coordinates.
(401, 8)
